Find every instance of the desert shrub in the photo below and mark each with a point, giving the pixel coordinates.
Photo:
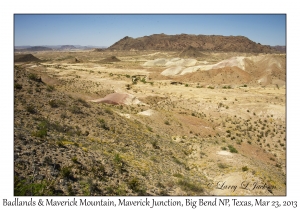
(187, 185)
(167, 122)
(232, 149)
(149, 129)
(118, 161)
(154, 144)
(222, 165)
(31, 109)
(18, 86)
(245, 168)
(177, 161)
(66, 172)
(60, 144)
(108, 110)
(117, 158)
(103, 124)
(116, 190)
(53, 103)
(63, 115)
(34, 77)
(70, 190)
(135, 185)
(128, 86)
(42, 130)
(25, 187)
(75, 110)
(178, 175)
(50, 88)
(74, 159)
(83, 102)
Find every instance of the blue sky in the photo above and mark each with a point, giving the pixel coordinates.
(105, 30)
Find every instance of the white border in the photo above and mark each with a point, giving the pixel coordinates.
(8, 8)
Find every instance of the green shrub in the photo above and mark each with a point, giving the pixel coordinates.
(103, 124)
(42, 130)
(60, 144)
(108, 110)
(34, 77)
(135, 185)
(154, 144)
(25, 187)
(167, 122)
(178, 175)
(18, 86)
(66, 172)
(74, 159)
(187, 185)
(222, 165)
(232, 149)
(245, 168)
(149, 129)
(118, 159)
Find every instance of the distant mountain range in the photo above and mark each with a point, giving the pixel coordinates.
(55, 47)
(280, 48)
(171, 42)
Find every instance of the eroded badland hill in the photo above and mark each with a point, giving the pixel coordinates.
(150, 123)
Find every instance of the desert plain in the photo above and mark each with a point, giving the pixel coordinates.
(145, 122)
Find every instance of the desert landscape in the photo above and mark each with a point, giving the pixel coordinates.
(157, 115)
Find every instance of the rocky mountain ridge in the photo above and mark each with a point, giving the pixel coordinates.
(183, 41)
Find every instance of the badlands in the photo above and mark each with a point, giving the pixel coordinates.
(150, 122)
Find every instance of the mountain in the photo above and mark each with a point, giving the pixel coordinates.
(184, 41)
(55, 47)
(35, 48)
(67, 47)
(279, 48)
(25, 58)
